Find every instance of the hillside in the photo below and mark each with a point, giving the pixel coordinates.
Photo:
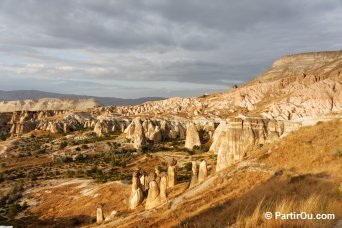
(48, 104)
(36, 94)
(296, 86)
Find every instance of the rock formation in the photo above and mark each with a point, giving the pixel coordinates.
(100, 128)
(152, 197)
(163, 187)
(172, 173)
(139, 139)
(234, 138)
(194, 173)
(203, 172)
(192, 137)
(48, 104)
(137, 196)
(99, 215)
(157, 194)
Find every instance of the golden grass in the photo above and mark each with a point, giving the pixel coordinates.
(314, 204)
(311, 149)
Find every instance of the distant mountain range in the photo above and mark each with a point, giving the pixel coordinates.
(36, 94)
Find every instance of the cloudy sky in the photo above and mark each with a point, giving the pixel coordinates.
(135, 48)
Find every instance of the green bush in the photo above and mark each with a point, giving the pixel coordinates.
(33, 177)
(338, 153)
(13, 210)
(3, 137)
(63, 145)
(70, 174)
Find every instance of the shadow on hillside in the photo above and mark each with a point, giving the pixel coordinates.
(276, 188)
(61, 222)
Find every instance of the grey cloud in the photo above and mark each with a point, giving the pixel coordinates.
(217, 42)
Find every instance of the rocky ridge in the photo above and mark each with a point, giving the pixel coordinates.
(48, 104)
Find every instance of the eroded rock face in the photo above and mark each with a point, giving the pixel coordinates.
(192, 137)
(139, 139)
(152, 197)
(137, 195)
(48, 104)
(99, 215)
(236, 137)
(194, 174)
(100, 128)
(157, 193)
(203, 171)
(172, 173)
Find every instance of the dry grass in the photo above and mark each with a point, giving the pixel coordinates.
(314, 204)
(308, 150)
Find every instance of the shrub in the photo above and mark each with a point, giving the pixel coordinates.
(70, 174)
(13, 210)
(63, 145)
(33, 177)
(188, 166)
(84, 147)
(75, 221)
(338, 153)
(3, 137)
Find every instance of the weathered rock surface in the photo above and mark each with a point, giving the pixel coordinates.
(99, 215)
(194, 173)
(192, 137)
(137, 195)
(48, 104)
(172, 173)
(234, 138)
(139, 139)
(203, 171)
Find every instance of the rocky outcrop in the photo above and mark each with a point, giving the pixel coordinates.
(199, 172)
(48, 104)
(192, 137)
(137, 195)
(194, 173)
(233, 139)
(157, 192)
(142, 132)
(139, 139)
(99, 215)
(172, 173)
(203, 171)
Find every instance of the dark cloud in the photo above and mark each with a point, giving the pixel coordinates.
(216, 42)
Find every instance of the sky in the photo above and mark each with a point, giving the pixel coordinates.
(167, 48)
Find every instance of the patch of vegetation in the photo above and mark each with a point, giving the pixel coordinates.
(338, 153)
(14, 209)
(197, 150)
(94, 139)
(63, 144)
(3, 137)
